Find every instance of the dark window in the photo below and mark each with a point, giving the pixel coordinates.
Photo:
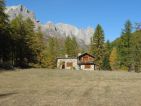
(69, 64)
(87, 66)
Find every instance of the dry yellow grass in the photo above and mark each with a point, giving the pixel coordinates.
(43, 87)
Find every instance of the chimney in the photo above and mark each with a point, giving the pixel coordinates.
(79, 54)
(66, 55)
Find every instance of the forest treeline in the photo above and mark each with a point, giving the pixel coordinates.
(22, 46)
(122, 54)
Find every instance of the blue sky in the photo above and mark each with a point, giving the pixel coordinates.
(111, 14)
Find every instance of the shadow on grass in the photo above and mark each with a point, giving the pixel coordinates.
(7, 94)
(5, 70)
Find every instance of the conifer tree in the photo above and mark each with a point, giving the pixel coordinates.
(39, 46)
(23, 31)
(67, 45)
(31, 42)
(97, 45)
(19, 35)
(71, 46)
(75, 47)
(136, 47)
(3, 16)
(106, 62)
(5, 36)
(125, 49)
(52, 52)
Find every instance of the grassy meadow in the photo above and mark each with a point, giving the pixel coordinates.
(43, 87)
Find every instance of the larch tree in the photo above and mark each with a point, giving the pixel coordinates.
(113, 59)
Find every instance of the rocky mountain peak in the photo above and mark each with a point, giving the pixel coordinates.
(14, 11)
(51, 29)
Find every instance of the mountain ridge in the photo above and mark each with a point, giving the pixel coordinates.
(51, 29)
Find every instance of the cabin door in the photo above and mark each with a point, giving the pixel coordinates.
(63, 65)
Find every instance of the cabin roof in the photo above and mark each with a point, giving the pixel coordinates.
(86, 54)
(76, 57)
(66, 57)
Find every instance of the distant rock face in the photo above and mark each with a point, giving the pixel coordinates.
(14, 11)
(69, 30)
(51, 29)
